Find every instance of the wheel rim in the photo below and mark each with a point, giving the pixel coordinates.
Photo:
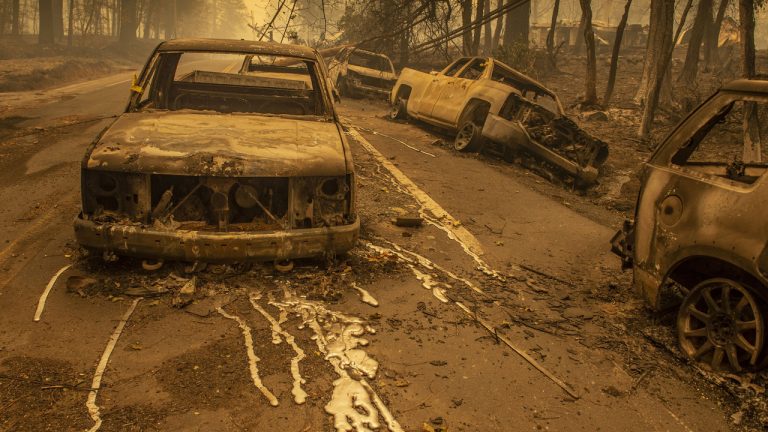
(464, 137)
(720, 324)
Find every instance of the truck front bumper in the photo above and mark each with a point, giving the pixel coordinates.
(191, 246)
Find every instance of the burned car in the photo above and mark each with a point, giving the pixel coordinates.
(698, 238)
(357, 73)
(212, 164)
(483, 100)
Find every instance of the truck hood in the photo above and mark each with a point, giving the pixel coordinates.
(373, 73)
(224, 145)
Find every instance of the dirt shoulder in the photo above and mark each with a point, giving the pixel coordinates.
(26, 66)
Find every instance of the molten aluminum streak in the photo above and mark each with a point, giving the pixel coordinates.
(44, 296)
(354, 404)
(93, 409)
(299, 395)
(252, 359)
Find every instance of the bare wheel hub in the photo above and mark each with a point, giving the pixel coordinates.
(720, 324)
(722, 330)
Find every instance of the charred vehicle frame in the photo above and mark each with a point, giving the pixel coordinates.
(492, 107)
(217, 167)
(698, 239)
(357, 72)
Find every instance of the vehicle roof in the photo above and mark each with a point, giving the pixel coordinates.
(360, 50)
(238, 46)
(747, 85)
(519, 75)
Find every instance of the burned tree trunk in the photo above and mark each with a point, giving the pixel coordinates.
(499, 25)
(752, 146)
(700, 25)
(590, 84)
(659, 43)
(58, 19)
(70, 22)
(516, 29)
(487, 30)
(170, 19)
(128, 21)
(15, 18)
(615, 54)
(478, 29)
(46, 35)
(551, 54)
(466, 21)
(712, 36)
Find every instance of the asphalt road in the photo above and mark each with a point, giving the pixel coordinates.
(542, 278)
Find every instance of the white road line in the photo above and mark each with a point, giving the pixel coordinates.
(93, 409)
(44, 296)
(252, 359)
(440, 218)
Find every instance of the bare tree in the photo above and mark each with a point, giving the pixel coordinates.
(57, 10)
(752, 148)
(487, 31)
(517, 24)
(662, 58)
(712, 36)
(70, 22)
(615, 54)
(466, 20)
(551, 35)
(46, 35)
(590, 83)
(15, 7)
(476, 37)
(700, 25)
(128, 21)
(499, 25)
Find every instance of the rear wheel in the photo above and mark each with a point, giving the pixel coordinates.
(721, 325)
(469, 138)
(399, 111)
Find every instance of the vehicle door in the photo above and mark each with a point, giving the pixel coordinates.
(435, 85)
(699, 193)
(454, 93)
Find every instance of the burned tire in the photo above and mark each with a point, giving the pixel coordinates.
(469, 138)
(399, 110)
(721, 325)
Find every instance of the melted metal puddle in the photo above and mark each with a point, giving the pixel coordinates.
(354, 404)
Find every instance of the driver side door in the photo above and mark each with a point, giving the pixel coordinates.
(453, 95)
(435, 86)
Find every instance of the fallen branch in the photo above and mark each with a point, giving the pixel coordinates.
(47, 385)
(394, 139)
(520, 352)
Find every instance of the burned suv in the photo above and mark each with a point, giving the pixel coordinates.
(357, 72)
(227, 151)
(698, 236)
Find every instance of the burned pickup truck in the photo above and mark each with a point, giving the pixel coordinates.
(484, 100)
(699, 241)
(357, 72)
(211, 165)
